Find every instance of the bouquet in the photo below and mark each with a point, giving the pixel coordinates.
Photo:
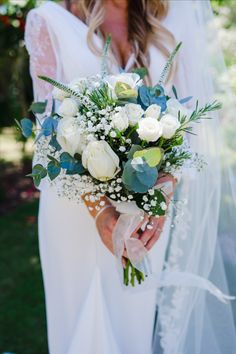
(111, 135)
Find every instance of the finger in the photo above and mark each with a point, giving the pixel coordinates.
(157, 234)
(124, 262)
(150, 230)
(153, 240)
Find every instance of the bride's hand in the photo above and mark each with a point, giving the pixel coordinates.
(152, 233)
(105, 223)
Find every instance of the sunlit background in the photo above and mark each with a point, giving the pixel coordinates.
(22, 312)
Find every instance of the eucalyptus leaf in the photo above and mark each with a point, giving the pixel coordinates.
(142, 72)
(38, 107)
(78, 169)
(139, 180)
(152, 156)
(71, 165)
(67, 161)
(133, 149)
(54, 143)
(38, 172)
(53, 169)
(27, 127)
(185, 100)
(49, 126)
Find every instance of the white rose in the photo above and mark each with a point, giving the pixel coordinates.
(153, 111)
(169, 125)
(100, 160)
(69, 136)
(131, 79)
(174, 107)
(120, 120)
(149, 129)
(59, 94)
(68, 108)
(134, 112)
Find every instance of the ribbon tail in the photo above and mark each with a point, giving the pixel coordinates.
(185, 279)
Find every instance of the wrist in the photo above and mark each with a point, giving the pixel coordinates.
(95, 207)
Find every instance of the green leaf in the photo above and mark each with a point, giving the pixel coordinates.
(38, 172)
(54, 169)
(38, 107)
(139, 178)
(142, 72)
(160, 198)
(133, 149)
(26, 127)
(61, 86)
(152, 156)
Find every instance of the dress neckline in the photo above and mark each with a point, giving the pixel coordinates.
(131, 58)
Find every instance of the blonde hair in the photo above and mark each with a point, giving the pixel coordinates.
(144, 27)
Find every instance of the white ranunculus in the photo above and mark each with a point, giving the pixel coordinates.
(68, 108)
(174, 107)
(69, 136)
(134, 112)
(153, 111)
(169, 125)
(59, 94)
(131, 79)
(149, 129)
(100, 160)
(119, 120)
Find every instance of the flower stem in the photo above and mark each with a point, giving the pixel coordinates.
(131, 274)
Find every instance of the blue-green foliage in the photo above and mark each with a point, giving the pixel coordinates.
(133, 149)
(152, 95)
(38, 173)
(49, 126)
(54, 143)
(139, 177)
(38, 107)
(53, 169)
(26, 126)
(71, 165)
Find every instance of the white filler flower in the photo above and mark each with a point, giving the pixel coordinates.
(69, 136)
(169, 125)
(134, 112)
(100, 160)
(149, 129)
(153, 111)
(68, 108)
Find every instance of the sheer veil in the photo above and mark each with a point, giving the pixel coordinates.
(202, 240)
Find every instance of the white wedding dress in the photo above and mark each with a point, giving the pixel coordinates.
(88, 311)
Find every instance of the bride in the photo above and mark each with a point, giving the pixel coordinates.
(88, 310)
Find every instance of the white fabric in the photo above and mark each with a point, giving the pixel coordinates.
(82, 286)
(83, 292)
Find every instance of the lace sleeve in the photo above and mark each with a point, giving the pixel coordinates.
(42, 56)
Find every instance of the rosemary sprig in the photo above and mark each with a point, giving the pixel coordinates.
(169, 64)
(104, 69)
(197, 115)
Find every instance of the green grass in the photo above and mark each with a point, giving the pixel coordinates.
(22, 311)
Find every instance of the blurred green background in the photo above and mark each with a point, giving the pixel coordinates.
(22, 312)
